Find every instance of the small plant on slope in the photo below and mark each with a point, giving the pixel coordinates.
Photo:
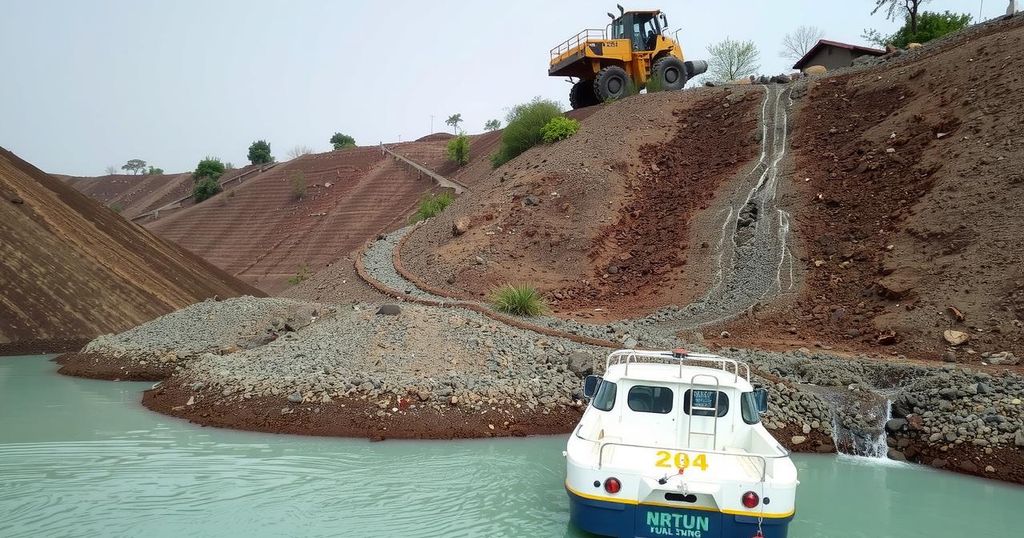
(300, 275)
(432, 206)
(559, 128)
(458, 150)
(298, 181)
(521, 300)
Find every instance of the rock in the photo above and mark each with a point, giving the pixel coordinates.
(16, 200)
(1002, 358)
(949, 356)
(1018, 439)
(581, 364)
(295, 397)
(454, 400)
(896, 455)
(461, 226)
(798, 439)
(938, 463)
(423, 395)
(968, 467)
(955, 338)
(898, 284)
(887, 338)
(630, 343)
(724, 334)
(815, 70)
(301, 318)
(912, 46)
(895, 425)
(191, 400)
(389, 310)
(990, 469)
(806, 429)
(531, 201)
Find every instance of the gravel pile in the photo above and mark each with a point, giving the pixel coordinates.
(206, 327)
(437, 357)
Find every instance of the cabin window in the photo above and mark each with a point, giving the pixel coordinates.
(644, 399)
(605, 397)
(748, 408)
(706, 399)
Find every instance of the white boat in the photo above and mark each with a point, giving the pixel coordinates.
(672, 444)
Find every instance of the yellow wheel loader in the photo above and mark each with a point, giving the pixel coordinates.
(633, 52)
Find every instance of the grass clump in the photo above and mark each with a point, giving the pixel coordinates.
(559, 128)
(298, 181)
(301, 275)
(522, 128)
(432, 206)
(521, 300)
(458, 150)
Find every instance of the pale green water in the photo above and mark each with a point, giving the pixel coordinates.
(83, 458)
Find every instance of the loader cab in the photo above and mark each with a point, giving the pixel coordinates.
(641, 28)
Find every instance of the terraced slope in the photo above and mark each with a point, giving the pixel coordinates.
(72, 269)
(261, 233)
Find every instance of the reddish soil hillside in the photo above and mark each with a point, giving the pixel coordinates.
(909, 179)
(72, 269)
(261, 233)
(600, 220)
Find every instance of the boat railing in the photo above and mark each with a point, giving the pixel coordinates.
(764, 459)
(632, 356)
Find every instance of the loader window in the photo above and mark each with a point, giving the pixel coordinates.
(645, 32)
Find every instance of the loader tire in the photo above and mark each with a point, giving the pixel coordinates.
(582, 94)
(611, 83)
(670, 72)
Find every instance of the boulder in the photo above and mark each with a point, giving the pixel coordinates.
(1002, 358)
(955, 338)
(295, 397)
(531, 201)
(1018, 439)
(302, 317)
(895, 425)
(815, 70)
(461, 226)
(798, 439)
(912, 46)
(896, 455)
(581, 364)
(899, 284)
(389, 310)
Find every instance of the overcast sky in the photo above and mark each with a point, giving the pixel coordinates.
(87, 84)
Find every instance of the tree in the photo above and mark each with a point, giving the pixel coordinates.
(731, 60)
(259, 152)
(134, 166)
(208, 168)
(929, 26)
(154, 171)
(454, 120)
(458, 150)
(342, 141)
(299, 151)
(111, 170)
(492, 125)
(798, 42)
(894, 9)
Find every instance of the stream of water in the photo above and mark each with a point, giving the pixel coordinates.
(83, 458)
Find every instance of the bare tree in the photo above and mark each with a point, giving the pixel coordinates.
(798, 42)
(111, 170)
(894, 9)
(299, 151)
(730, 60)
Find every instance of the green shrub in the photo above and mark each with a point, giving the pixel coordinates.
(209, 167)
(522, 300)
(300, 275)
(298, 181)
(458, 150)
(930, 26)
(559, 128)
(432, 206)
(259, 153)
(341, 141)
(154, 171)
(654, 84)
(117, 207)
(205, 188)
(522, 128)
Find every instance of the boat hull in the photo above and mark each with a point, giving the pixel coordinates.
(609, 518)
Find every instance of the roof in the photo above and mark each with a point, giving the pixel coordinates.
(822, 43)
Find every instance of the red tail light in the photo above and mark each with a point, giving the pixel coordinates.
(612, 485)
(750, 499)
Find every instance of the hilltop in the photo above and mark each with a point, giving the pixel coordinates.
(73, 269)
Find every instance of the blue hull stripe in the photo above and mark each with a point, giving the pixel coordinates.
(628, 520)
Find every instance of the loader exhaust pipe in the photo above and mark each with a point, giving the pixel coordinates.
(695, 67)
